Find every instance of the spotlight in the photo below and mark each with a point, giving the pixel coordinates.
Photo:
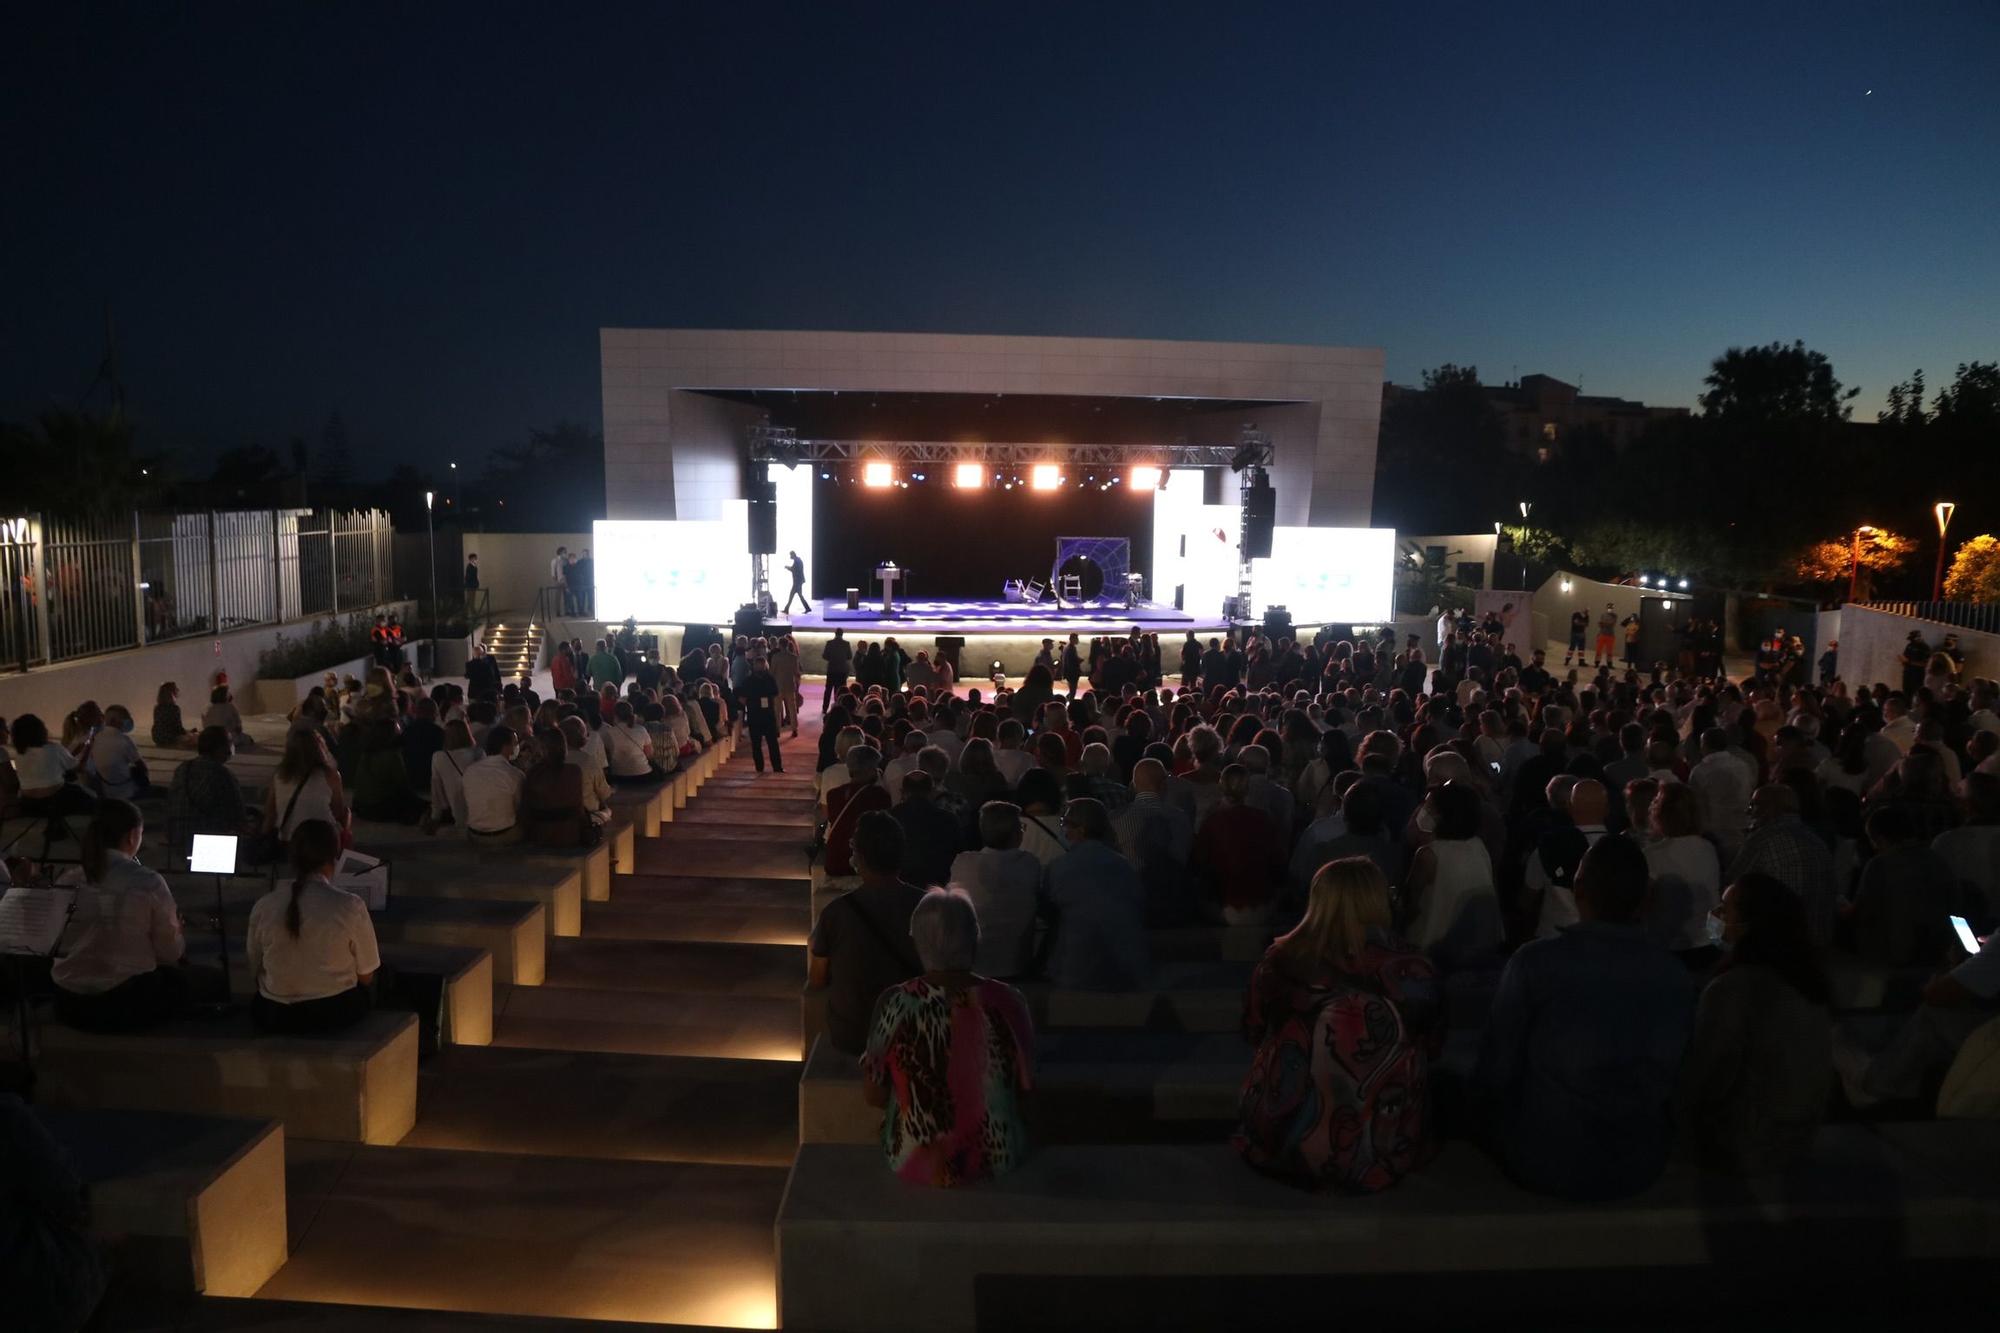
(1145, 477)
(970, 476)
(826, 476)
(1045, 476)
(1684, 583)
(878, 475)
(917, 476)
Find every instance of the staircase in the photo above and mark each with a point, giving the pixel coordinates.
(516, 645)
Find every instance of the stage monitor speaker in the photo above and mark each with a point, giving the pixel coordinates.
(749, 621)
(763, 526)
(948, 647)
(1277, 623)
(854, 599)
(698, 636)
(1260, 510)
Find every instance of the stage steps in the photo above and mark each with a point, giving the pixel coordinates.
(516, 644)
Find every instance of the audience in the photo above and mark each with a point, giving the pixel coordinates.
(46, 772)
(950, 1056)
(1239, 854)
(861, 945)
(311, 947)
(1452, 908)
(493, 790)
(1003, 883)
(169, 730)
(448, 768)
(552, 812)
(305, 786)
(1097, 908)
(119, 965)
(203, 795)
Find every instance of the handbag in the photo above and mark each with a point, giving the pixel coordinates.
(271, 841)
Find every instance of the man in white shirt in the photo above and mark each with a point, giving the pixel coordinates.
(1723, 787)
(1266, 795)
(1004, 883)
(493, 790)
(1898, 726)
(1008, 756)
(596, 787)
(903, 764)
(559, 576)
(1552, 865)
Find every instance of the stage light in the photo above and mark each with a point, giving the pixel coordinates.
(879, 475)
(1045, 476)
(1684, 583)
(917, 476)
(969, 476)
(1145, 477)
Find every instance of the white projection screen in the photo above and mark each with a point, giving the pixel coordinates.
(1194, 544)
(673, 572)
(1321, 576)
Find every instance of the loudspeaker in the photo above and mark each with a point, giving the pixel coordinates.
(749, 621)
(1260, 510)
(854, 599)
(698, 636)
(948, 647)
(1277, 623)
(764, 520)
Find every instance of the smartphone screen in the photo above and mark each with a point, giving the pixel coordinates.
(1965, 935)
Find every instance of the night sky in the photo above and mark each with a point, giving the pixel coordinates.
(421, 213)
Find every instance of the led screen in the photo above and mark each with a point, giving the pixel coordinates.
(1328, 575)
(683, 572)
(1194, 544)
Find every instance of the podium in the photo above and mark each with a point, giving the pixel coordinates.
(890, 573)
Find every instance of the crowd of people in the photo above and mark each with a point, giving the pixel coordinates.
(1629, 892)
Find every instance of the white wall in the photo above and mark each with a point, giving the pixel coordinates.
(1871, 644)
(512, 565)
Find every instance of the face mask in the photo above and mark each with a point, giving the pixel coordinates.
(1426, 820)
(127, 725)
(1717, 931)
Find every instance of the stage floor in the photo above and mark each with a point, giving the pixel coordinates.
(975, 617)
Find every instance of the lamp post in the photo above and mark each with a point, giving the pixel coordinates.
(1943, 509)
(1854, 571)
(430, 529)
(1526, 506)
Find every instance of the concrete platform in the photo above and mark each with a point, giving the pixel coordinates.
(186, 1203)
(514, 933)
(675, 966)
(740, 1027)
(661, 1242)
(359, 1086)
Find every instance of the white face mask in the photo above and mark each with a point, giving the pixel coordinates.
(1718, 931)
(1426, 820)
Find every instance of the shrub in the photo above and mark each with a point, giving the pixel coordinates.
(327, 644)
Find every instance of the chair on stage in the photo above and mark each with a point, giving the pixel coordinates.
(1032, 593)
(1072, 589)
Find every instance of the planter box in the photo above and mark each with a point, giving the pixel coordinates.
(282, 696)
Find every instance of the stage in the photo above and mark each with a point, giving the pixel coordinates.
(969, 617)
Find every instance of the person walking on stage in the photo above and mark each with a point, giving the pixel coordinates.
(798, 568)
(838, 654)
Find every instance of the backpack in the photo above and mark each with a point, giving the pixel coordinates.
(1337, 1096)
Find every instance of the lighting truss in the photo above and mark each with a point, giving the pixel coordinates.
(771, 445)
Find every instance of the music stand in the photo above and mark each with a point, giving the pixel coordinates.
(215, 854)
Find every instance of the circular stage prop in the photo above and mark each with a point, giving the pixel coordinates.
(1089, 576)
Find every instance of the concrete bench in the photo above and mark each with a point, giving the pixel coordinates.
(1234, 944)
(647, 809)
(359, 1086)
(186, 1203)
(464, 977)
(1189, 997)
(513, 933)
(501, 874)
(1178, 1236)
(1090, 1087)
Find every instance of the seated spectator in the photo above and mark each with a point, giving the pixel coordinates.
(1584, 1042)
(379, 779)
(1346, 1018)
(111, 762)
(169, 730)
(46, 771)
(950, 1056)
(493, 790)
(1955, 1005)
(448, 766)
(204, 796)
(552, 812)
(119, 966)
(930, 833)
(1101, 779)
(1450, 900)
(1239, 854)
(861, 945)
(628, 750)
(1686, 874)
(596, 787)
(305, 786)
(50, 1264)
(1357, 830)
(1550, 875)
(1012, 761)
(221, 712)
(1041, 800)
(1972, 850)
(1907, 892)
(1753, 1087)
(311, 947)
(423, 737)
(846, 805)
(1097, 935)
(1157, 837)
(1004, 884)
(1782, 845)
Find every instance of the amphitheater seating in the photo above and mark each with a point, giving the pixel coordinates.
(512, 932)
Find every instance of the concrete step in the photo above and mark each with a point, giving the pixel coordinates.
(677, 967)
(728, 1027)
(694, 922)
(211, 1315)
(780, 857)
(555, 1237)
(590, 1104)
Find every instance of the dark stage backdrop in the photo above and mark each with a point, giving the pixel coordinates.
(960, 543)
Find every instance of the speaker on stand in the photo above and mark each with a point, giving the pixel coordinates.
(1260, 512)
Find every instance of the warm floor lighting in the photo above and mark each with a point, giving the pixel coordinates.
(1045, 476)
(879, 475)
(969, 476)
(1145, 477)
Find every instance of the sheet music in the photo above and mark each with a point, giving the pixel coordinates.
(32, 918)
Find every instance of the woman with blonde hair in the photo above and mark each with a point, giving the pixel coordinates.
(1346, 1018)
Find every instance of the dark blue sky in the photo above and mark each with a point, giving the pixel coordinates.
(421, 214)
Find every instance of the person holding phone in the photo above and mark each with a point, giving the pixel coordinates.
(1955, 1005)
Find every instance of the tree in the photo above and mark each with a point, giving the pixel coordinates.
(1974, 575)
(1442, 462)
(553, 482)
(1905, 403)
(1775, 383)
(1832, 561)
(1973, 399)
(77, 464)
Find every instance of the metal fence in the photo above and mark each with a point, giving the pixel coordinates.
(1982, 616)
(75, 588)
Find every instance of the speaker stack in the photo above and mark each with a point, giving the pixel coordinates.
(1260, 511)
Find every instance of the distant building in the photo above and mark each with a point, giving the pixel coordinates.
(1541, 414)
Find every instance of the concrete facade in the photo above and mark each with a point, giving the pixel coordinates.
(1871, 646)
(670, 451)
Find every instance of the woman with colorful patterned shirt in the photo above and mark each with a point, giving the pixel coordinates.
(950, 1057)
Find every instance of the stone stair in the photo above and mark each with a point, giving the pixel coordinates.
(516, 644)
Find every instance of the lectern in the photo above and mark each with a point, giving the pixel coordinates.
(890, 573)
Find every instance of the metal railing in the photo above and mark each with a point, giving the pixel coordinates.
(76, 588)
(1980, 616)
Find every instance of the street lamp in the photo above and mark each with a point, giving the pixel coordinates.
(430, 528)
(1943, 509)
(1854, 572)
(1525, 507)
